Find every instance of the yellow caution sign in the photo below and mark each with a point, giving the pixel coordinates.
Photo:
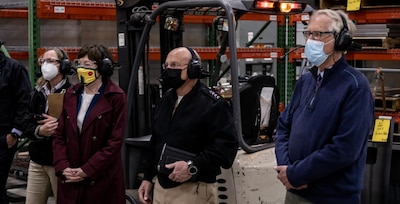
(381, 130)
(353, 5)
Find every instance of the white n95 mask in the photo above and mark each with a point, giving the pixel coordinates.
(49, 71)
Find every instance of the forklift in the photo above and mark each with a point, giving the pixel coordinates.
(252, 178)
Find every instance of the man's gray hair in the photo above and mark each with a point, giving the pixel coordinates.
(337, 22)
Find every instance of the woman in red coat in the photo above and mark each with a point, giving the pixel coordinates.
(87, 143)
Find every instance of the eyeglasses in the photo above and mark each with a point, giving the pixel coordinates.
(86, 63)
(48, 60)
(172, 65)
(316, 34)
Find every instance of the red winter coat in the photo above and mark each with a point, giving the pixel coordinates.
(96, 150)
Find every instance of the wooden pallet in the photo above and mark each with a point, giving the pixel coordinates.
(332, 4)
(391, 103)
(389, 92)
(377, 42)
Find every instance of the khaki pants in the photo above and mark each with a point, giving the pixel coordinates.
(190, 193)
(41, 181)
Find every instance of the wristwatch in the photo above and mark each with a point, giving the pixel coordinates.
(192, 168)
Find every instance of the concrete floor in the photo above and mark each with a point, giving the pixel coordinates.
(16, 182)
(17, 191)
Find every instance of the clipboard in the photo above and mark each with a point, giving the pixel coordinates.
(55, 101)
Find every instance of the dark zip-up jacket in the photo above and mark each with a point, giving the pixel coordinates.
(14, 96)
(202, 124)
(322, 136)
(40, 149)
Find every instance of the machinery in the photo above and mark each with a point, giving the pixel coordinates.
(251, 178)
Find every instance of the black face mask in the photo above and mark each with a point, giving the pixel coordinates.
(171, 78)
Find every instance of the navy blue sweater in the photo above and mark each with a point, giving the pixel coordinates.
(322, 136)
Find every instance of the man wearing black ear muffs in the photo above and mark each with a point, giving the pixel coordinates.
(193, 136)
(321, 139)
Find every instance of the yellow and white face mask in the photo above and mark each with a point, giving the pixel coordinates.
(86, 75)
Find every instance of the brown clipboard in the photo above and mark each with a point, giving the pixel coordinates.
(55, 101)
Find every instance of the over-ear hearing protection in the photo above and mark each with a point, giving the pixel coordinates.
(65, 64)
(343, 39)
(106, 68)
(195, 68)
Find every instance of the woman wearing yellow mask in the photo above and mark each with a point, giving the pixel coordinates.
(87, 143)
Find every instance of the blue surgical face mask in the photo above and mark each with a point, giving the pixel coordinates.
(315, 51)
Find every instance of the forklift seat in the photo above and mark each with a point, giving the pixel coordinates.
(259, 104)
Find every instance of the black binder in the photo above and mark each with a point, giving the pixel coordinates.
(170, 155)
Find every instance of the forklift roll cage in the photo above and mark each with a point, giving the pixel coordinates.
(140, 21)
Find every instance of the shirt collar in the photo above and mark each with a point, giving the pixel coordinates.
(320, 73)
(58, 86)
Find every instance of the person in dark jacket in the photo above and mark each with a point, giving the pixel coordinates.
(40, 126)
(87, 143)
(14, 104)
(321, 139)
(193, 118)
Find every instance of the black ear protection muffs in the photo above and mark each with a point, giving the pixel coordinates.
(106, 68)
(65, 64)
(343, 39)
(195, 68)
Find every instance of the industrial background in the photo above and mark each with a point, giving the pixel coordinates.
(28, 27)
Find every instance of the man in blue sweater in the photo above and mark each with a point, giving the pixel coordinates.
(321, 140)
